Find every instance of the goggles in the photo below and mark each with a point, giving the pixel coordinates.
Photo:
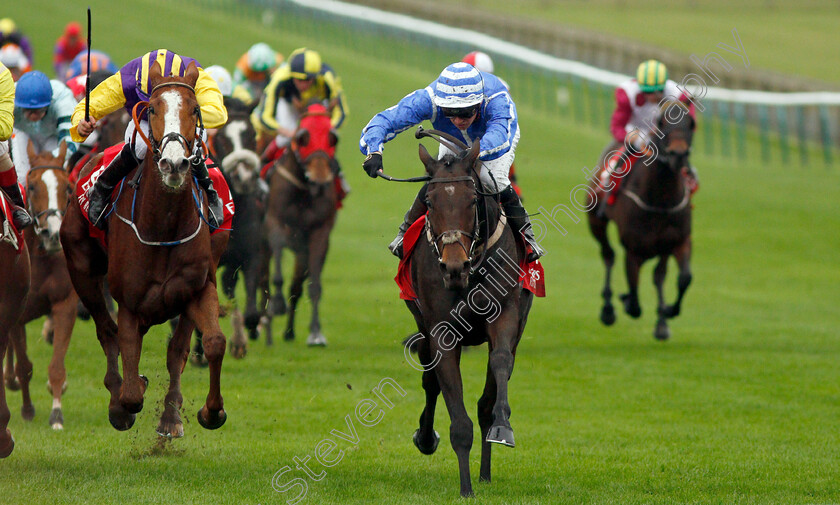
(463, 112)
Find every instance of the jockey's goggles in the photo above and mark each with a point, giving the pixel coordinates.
(463, 112)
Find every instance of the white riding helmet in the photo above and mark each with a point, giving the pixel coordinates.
(222, 78)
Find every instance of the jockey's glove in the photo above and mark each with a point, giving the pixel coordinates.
(373, 164)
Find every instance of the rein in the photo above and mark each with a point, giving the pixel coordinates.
(659, 210)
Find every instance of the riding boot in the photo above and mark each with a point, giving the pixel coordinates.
(518, 220)
(100, 194)
(20, 217)
(343, 186)
(417, 209)
(214, 203)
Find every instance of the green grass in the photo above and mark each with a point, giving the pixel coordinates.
(741, 406)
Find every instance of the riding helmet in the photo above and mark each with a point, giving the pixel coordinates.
(304, 63)
(651, 76)
(33, 91)
(460, 85)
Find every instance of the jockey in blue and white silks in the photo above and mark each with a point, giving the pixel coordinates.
(472, 106)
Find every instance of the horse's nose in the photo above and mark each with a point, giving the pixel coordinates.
(453, 269)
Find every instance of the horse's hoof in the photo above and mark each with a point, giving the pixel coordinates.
(8, 446)
(12, 384)
(167, 430)
(210, 420)
(662, 332)
(289, 335)
(121, 419)
(608, 315)
(254, 334)
(27, 412)
(316, 339)
(199, 360)
(426, 449)
(501, 435)
(631, 307)
(467, 493)
(56, 419)
(238, 351)
(278, 306)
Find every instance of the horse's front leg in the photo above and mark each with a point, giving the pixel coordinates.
(426, 439)
(9, 371)
(632, 265)
(448, 372)
(251, 275)
(598, 227)
(318, 244)
(276, 243)
(7, 443)
(296, 289)
(503, 333)
(661, 332)
(170, 425)
(23, 370)
(204, 313)
(130, 334)
(683, 256)
(64, 318)
(485, 420)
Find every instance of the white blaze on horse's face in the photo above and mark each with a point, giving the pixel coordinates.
(54, 220)
(450, 190)
(173, 162)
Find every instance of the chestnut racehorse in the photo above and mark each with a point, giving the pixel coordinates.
(52, 292)
(652, 211)
(464, 270)
(160, 260)
(14, 270)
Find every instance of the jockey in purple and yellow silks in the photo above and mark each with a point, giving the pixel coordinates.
(127, 87)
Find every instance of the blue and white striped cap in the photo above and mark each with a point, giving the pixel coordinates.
(459, 85)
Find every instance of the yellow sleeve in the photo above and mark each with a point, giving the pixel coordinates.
(7, 103)
(210, 99)
(104, 99)
(267, 109)
(340, 111)
(242, 94)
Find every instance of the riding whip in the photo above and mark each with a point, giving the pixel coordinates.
(87, 79)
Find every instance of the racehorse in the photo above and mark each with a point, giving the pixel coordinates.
(465, 271)
(300, 215)
(14, 270)
(234, 146)
(160, 260)
(52, 292)
(652, 211)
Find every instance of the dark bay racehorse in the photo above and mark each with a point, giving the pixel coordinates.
(465, 272)
(14, 270)
(653, 214)
(51, 292)
(300, 215)
(234, 147)
(160, 260)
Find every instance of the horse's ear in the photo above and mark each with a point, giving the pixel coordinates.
(473, 154)
(191, 74)
(333, 139)
(426, 158)
(302, 137)
(155, 74)
(30, 150)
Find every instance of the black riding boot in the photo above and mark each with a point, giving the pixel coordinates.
(214, 203)
(20, 217)
(417, 209)
(100, 194)
(518, 220)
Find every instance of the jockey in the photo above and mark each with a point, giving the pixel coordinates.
(42, 115)
(127, 87)
(301, 79)
(222, 78)
(472, 106)
(638, 103)
(9, 34)
(98, 61)
(67, 47)
(14, 59)
(253, 70)
(8, 177)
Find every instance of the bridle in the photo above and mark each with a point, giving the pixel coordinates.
(454, 235)
(46, 213)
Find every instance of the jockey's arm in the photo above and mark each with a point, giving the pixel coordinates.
(7, 103)
(104, 99)
(415, 108)
(63, 104)
(500, 127)
(213, 111)
(333, 91)
(267, 110)
(621, 115)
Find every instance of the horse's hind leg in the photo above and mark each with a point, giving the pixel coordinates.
(599, 231)
(7, 443)
(9, 374)
(426, 439)
(632, 265)
(170, 424)
(204, 313)
(683, 256)
(64, 317)
(251, 274)
(276, 242)
(485, 420)
(318, 245)
(23, 370)
(295, 291)
(461, 428)
(661, 332)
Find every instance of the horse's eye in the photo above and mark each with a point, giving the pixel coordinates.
(31, 188)
(428, 203)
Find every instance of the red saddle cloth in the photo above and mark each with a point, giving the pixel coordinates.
(531, 275)
(84, 184)
(7, 207)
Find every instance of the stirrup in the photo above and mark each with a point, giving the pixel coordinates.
(396, 245)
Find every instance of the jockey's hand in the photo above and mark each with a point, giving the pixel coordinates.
(85, 128)
(373, 164)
